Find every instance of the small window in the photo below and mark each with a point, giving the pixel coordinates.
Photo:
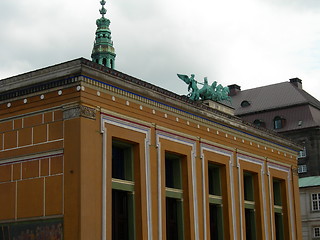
(245, 103)
(302, 168)
(315, 199)
(316, 232)
(303, 153)
(278, 122)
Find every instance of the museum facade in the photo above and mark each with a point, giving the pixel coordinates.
(87, 152)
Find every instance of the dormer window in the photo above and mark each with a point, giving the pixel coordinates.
(259, 123)
(245, 103)
(278, 122)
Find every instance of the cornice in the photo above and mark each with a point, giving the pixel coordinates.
(82, 70)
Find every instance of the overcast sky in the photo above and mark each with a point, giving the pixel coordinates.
(251, 43)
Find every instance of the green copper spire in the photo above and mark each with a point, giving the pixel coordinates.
(103, 51)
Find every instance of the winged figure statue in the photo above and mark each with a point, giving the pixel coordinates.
(192, 85)
(207, 92)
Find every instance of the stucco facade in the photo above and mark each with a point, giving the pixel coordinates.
(60, 127)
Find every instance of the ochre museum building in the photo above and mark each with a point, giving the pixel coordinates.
(87, 152)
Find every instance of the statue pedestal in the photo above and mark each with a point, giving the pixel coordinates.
(219, 106)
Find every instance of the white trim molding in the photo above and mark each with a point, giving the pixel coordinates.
(227, 153)
(119, 122)
(192, 143)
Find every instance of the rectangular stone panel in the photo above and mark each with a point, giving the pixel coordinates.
(24, 137)
(32, 121)
(56, 165)
(44, 167)
(30, 198)
(40, 134)
(30, 169)
(6, 126)
(58, 115)
(17, 171)
(54, 195)
(55, 130)
(48, 117)
(5, 173)
(10, 140)
(17, 124)
(7, 201)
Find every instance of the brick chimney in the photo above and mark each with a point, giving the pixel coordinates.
(296, 82)
(234, 89)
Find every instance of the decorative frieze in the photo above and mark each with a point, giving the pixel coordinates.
(76, 110)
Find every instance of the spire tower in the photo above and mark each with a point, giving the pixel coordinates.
(103, 51)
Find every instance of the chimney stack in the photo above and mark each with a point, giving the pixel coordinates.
(234, 89)
(296, 82)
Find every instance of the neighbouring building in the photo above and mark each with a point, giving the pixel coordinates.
(310, 206)
(287, 109)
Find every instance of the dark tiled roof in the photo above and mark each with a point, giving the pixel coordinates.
(275, 96)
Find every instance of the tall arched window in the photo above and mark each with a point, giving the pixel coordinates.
(104, 62)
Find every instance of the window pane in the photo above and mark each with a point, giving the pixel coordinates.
(277, 193)
(174, 219)
(122, 215)
(314, 196)
(216, 222)
(250, 224)
(122, 161)
(173, 171)
(248, 187)
(214, 180)
(279, 226)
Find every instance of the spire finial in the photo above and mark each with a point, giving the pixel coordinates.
(103, 11)
(103, 51)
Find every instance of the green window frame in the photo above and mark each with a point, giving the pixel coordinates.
(278, 208)
(174, 197)
(215, 202)
(249, 205)
(123, 191)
